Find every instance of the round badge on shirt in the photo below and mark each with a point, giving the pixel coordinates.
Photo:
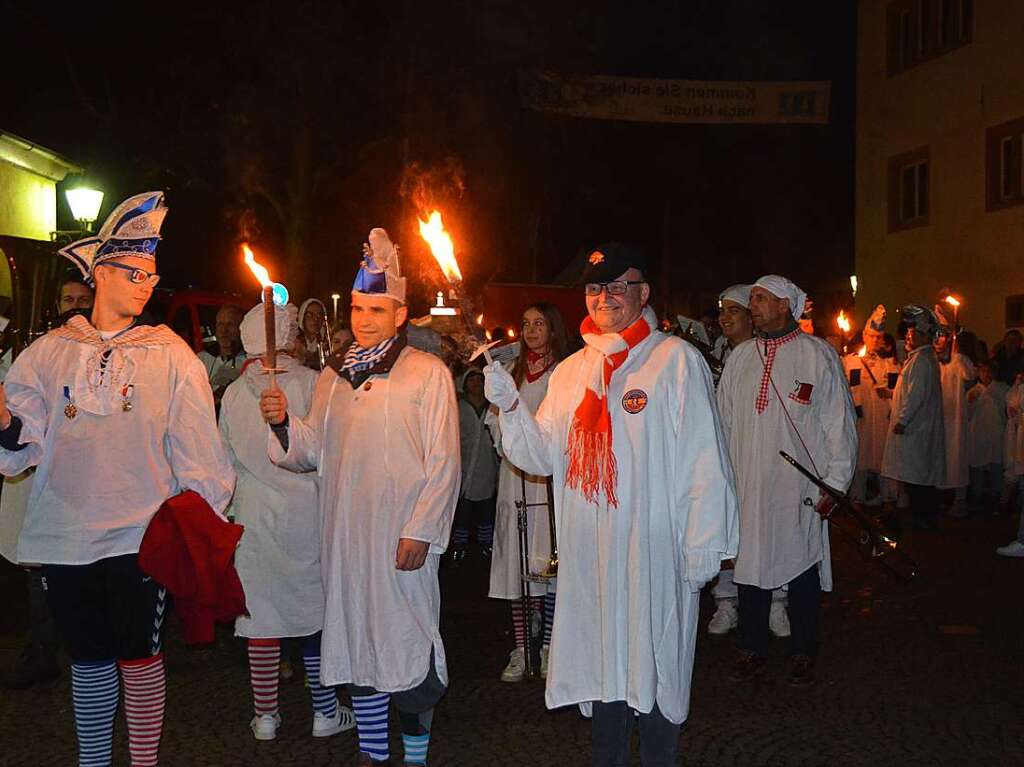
(634, 401)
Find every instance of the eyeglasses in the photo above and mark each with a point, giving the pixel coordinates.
(614, 288)
(137, 276)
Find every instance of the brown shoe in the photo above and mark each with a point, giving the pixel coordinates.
(747, 666)
(801, 671)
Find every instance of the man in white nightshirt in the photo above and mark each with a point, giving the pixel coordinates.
(958, 375)
(117, 417)
(784, 391)
(915, 451)
(644, 504)
(383, 434)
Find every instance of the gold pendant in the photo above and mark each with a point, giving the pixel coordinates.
(70, 411)
(126, 405)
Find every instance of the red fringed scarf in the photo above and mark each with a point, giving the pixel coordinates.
(592, 468)
(538, 364)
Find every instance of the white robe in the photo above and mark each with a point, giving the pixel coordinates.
(505, 579)
(629, 577)
(388, 459)
(873, 411)
(986, 423)
(780, 536)
(278, 558)
(102, 475)
(479, 461)
(956, 376)
(1013, 466)
(918, 456)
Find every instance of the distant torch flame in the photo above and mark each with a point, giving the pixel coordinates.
(479, 319)
(853, 284)
(952, 301)
(488, 334)
(863, 351)
(440, 242)
(843, 322)
(511, 333)
(259, 271)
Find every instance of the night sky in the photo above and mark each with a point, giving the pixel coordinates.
(302, 125)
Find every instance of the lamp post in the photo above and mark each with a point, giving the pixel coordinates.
(85, 205)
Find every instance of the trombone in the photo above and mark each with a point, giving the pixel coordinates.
(526, 575)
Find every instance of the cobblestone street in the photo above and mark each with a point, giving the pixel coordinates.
(925, 674)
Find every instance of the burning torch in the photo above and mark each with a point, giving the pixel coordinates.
(272, 293)
(843, 323)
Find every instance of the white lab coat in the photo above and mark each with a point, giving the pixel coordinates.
(986, 423)
(629, 577)
(278, 558)
(388, 459)
(505, 576)
(918, 456)
(102, 475)
(956, 376)
(873, 425)
(781, 536)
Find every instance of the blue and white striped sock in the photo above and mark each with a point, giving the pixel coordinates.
(416, 748)
(485, 535)
(549, 616)
(460, 536)
(94, 692)
(325, 701)
(372, 724)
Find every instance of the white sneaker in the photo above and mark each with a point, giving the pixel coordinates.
(778, 619)
(326, 726)
(544, 662)
(264, 726)
(516, 668)
(725, 618)
(1013, 549)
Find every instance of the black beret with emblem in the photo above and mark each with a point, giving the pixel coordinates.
(611, 260)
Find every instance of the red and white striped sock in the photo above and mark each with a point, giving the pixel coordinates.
(264, 673)
(519, 619)
(145, 692)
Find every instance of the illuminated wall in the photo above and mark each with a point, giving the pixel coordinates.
(28, 203)
(945, 101)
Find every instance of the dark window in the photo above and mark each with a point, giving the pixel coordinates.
(1014, 311)
(909, 189)
(1004, 165)
(919, 30)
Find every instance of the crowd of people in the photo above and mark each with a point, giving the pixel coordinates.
(348, 474)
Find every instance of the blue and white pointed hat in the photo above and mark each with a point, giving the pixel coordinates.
(132, 229)
(380, 273)
(876, 321)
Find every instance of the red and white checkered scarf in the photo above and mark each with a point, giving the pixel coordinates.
(592, 468)
(771, 345)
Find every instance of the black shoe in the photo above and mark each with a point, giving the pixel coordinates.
(458, 556)
(486, 552)
(801, 671)
(31, 671)
(747, 666)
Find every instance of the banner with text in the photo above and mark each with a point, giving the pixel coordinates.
(676, 101)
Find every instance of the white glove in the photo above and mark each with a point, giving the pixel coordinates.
(499, 387)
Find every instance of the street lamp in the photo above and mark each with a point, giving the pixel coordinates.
(85, 206)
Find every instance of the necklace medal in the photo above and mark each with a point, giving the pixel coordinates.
(70, 411)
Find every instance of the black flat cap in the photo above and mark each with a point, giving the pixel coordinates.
(610, 261)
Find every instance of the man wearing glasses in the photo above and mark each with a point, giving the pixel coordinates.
(117, 417)
(645, 508)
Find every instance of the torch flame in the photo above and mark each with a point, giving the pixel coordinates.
(440, 242)
(479, 319)
(259, 271)
(952, 301)
(863, 351)
(843, 322)
(488, 335)
(511, 333)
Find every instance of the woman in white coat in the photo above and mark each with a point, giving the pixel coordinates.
(278, 558)
(544, 345)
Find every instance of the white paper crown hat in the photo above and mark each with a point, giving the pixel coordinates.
(380, 273)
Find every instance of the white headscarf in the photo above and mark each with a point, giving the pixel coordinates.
(738, 293)
(286, 329)
(780, 287)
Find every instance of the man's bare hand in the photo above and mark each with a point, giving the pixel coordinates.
(899, 429)
(411, 554)
(5, 414)
(273, 406)
(826, 504)
(883, 393)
